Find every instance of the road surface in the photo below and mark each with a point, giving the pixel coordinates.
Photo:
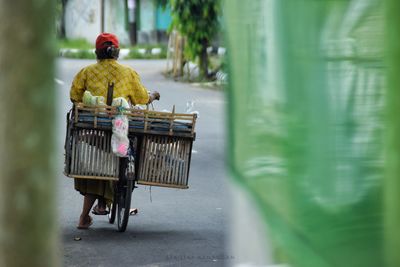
(173, 227)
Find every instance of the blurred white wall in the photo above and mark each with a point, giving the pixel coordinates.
(83, 19)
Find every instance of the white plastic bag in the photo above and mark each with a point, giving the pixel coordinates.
(120, 145)
(119, 138)
(91, 100)
(120, 125)
(120, 102)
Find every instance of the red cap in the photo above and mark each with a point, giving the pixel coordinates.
(106, 37)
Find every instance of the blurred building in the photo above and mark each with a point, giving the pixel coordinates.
(134, 21)
(152, 22)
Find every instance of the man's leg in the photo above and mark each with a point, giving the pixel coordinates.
(85, 220)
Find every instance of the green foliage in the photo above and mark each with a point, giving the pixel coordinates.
(75, 44)
(198, 21)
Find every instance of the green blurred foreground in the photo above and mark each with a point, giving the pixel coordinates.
(310, 84)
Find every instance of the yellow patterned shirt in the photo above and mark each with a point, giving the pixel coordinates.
(96, 77)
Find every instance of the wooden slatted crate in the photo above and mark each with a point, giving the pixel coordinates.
(165, 161)
(163, 152)
(89, 155)
(140, 121)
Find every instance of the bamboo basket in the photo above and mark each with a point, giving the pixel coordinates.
(165, 161)
(163, 145)
(140, 121)
(90, 157)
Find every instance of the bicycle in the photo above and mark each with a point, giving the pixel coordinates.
(160, 145)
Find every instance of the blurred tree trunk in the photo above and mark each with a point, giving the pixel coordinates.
(27, 178)
(102, 14)
(62, 26)
(203, 60)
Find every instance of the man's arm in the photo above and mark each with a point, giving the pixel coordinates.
(78, 87)
(139, 94)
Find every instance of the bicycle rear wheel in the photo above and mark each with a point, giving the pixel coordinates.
(123, 189)
(124, 204)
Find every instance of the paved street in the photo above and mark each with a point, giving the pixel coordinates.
(173, 227)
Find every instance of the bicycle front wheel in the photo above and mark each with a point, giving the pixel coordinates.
(113, 210)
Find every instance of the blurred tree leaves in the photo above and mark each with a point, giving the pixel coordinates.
(198, 21)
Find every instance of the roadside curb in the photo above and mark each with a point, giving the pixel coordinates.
(123, 53)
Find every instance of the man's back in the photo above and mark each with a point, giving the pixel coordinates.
(96, 77)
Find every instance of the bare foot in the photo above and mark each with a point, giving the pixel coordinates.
(85, 222)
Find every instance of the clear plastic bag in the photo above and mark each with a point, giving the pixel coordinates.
(119, 138)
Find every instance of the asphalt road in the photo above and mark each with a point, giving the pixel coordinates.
(173, 227)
